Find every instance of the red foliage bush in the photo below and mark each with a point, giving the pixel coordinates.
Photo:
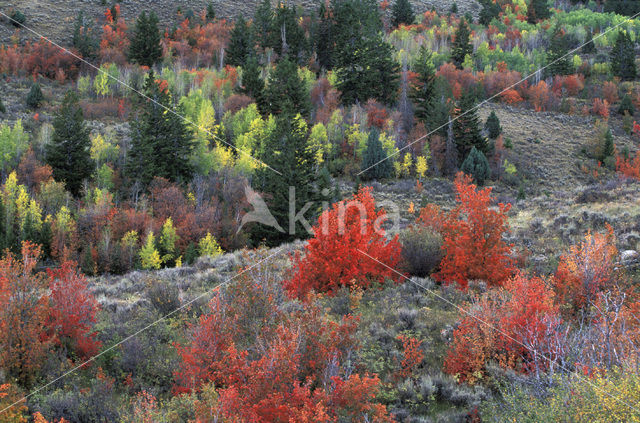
(73, 310)
(628, 167)
(43, 58)
(472, 233)
(600, 108)
(516, 326)
(334, 256)
(511, 97)
(237, 102)
(198, 45)
(115, 42)
(376, 114)
(465, 77)
(541, 97)
(495, 82)
(587, 269)
(610, 92)
(32, 173)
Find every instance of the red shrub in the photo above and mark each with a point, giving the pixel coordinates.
(516, 326)
(511, 97)
(115, 43)
(585, 270)
(376, 114)
(495, 82)
(628, 167)
(472, 233)
(237, 102)
(610, 92)
(600, 108)
(31, 172)
(43, 58)
(413, 356)
(541, 97)
(334, 256)
(73, 310)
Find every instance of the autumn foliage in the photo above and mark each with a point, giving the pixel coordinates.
(516, 326)
(472, 232)
(628, 167)
(348, 240)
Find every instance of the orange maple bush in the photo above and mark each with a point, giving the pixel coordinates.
(299, 372)
(628, 167)
(472, 233)
(334, 257)
(587, 269)
(516, 326)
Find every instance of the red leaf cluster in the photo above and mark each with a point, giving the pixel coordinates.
(334, 256)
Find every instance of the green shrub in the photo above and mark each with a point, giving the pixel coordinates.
(35, 96)
(421, 250)
(626, 106)
(18, 18)
(2, 108)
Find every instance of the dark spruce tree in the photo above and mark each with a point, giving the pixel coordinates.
(622, 7)
(453, 10)
(623, 57)
(2, 108)
(35, 96)
(608, 148)
(370, 71)
(492, 125)
(263, 24)
(466, 128)
(489, 12)
(253, 84)
(402, 13)
(354, 21)
(287, 37)
(537, 10)
(461, 45)
(145, 46)
(558, 60)
(286, 92)
(374, 164)
(286, 149)
(68, 153)
(84, 38)
(423, 92)
(241, 46)
(161, 143)
(324, 40)
(211, 13)
(589, 47)
(476, 165)
(626, 106)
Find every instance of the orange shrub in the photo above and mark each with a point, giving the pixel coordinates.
(600, 108)
(628, 167)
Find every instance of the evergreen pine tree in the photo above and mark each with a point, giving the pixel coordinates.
(241, 45)
(145, 46)
(2, 108)
(493, 126)
(466, 128)
(83, 38)
(354, 21)
(68, 153)
(263, 24)
(622, 7)
(477, 165)
(490, 11)
(370, 72)
(461, 45)
(453, 10)
(373, 163)
(324, 42)
(626, 106)
(253, 84)
(623, 58)
(537, 10)
(423, 92)
(608, 148)
(558, 60)
(286, 92)
(287, 37)
(286, 150)
(35, 96)
(211, 13)
(402, 13)
(589, 47)
(161, 143)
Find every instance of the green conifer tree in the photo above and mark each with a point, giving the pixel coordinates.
(623, 57)
(423, 92)
(537, 10)
(286, 149)
(626, 106)
(324, 39)
(35, 96)
(161, 142)
(286, 92)
(241, 46)
(589, 47)
(466, 128)
(402, 13)
(461, 45)
(68, 153)
(263, 24)
(489, 12)
(477, 165)
(253, 84)
(145, 46)
(558, 60)
(493, 126)
(373, 163)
